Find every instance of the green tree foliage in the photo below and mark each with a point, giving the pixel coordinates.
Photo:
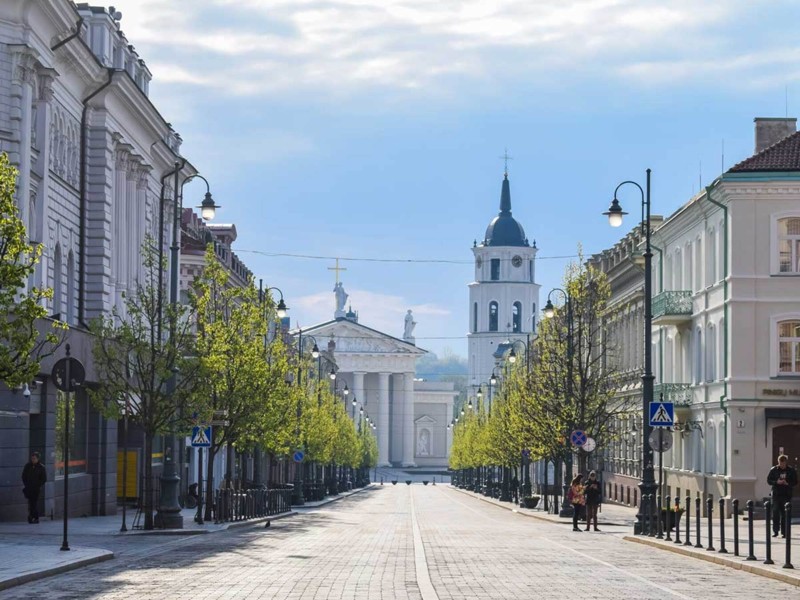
(136, 359)
(22, 346)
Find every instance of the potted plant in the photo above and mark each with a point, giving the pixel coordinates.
(529, 501)
(671, 517)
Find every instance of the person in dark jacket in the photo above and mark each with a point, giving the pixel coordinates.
(591, 489)
(34, 476)
(782, 478)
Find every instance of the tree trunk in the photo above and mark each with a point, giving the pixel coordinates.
(212, 453)
(148, 482)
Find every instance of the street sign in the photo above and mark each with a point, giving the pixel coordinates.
(217, 423)
(578, 438)
(660, 440)
(526, 453)
(298, 456)
(77, 374)
(201, 437)
(589, 444)
(662, 414)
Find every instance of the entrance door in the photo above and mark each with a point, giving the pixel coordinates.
(786, 440)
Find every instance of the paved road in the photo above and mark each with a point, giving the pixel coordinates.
(430, 543)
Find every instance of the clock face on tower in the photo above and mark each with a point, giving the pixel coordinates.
(517, 261)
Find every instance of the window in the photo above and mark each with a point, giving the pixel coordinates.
(516, 317)
(77, 432)
(530, 270)
(533, 318)
(789, 347)
(495, 269)
(57, 291)
(698, 356)
(698, 265)
(711, 258)
(71, 317)
(711, 354)
(711, 448)
(789, 245)
(474, 317)
(493, 316)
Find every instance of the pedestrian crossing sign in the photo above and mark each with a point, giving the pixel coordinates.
(201, 437)
(662, 414)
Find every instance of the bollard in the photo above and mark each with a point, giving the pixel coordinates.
(659, 524)
(735, 527)
(722, 549)
(788, 532)
(677, 521)
(688, 505)
(648, 513)
(651, 504)
(697, 541)
(710, 523)
(768, 508)
(669, 516)
(751, 555)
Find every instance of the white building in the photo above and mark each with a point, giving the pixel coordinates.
(92, 152)
(504, 297)
(726, 324)
(378, 369)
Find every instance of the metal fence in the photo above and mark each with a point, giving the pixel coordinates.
(141, 501)
(240, 505)
(659, 523)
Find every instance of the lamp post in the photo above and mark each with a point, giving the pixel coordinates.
(647, 484)
(169, 508)
(549, 312)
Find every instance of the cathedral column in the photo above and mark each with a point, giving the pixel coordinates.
(408, 420)
(358, 389)
(383, 420)
(23, 60)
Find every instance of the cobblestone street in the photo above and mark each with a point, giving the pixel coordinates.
(406, 542)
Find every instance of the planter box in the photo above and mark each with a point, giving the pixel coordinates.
(529, 502)
(670, 519)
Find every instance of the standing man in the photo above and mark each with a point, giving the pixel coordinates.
(782, 478)
(34, 476)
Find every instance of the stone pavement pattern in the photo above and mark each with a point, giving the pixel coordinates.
(364, 547)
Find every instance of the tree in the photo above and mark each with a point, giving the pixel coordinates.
(22, 346)
(136, 363)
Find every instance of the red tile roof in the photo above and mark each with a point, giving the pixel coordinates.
(781, 156)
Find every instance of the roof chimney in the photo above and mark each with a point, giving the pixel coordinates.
(770, 131)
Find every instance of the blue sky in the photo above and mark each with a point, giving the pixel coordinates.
(373, 128)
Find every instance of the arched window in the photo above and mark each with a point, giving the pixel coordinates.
(57, 283)
(711, 353)
(698, 356)
(697, 457)
(493, 316)
(698, 265)
(71, 317)
(789, 245)
(475, 317)
(711, 448)
(516, 317)
(789, 347)
(711, 258)
(533, 318)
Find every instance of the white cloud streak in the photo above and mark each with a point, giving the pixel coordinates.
(254, 47)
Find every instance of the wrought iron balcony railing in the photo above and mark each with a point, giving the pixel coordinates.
(672, 307)
(679, 394)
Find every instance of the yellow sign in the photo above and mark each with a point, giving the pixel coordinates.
(133, 473)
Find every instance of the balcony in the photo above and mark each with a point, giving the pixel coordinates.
(680, 394)
(672, 308)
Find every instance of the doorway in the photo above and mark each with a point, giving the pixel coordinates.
(786, 440)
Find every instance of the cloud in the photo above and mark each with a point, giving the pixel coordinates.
(384, 312)
(255, 47)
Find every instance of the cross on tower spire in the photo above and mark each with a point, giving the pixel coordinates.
(506, 158)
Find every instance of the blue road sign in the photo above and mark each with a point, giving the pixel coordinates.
(201, 437)
(298, 456)
(578, 437)
(662, 414)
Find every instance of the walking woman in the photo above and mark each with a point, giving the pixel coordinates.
(577, 499)
(592, 492)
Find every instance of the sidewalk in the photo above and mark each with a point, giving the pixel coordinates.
(31, 552)
(624, 516)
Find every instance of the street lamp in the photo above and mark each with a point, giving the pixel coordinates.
(512, 356)
(169, 508)
(647, 484)
(332, 374)
(281, 309)
(298, 498)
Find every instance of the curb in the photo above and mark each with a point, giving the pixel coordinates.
(749, 567)
(84, 562)
(515, 509)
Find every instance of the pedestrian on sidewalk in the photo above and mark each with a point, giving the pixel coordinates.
(576, 497)
(593, 495)
(782, 478)
(34, 476)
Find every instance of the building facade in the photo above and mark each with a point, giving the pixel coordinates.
(504, 297)
(92, 153)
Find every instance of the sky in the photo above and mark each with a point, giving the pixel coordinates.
(372, 130)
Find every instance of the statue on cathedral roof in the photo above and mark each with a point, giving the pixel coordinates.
(410, 323)
(341, 300)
